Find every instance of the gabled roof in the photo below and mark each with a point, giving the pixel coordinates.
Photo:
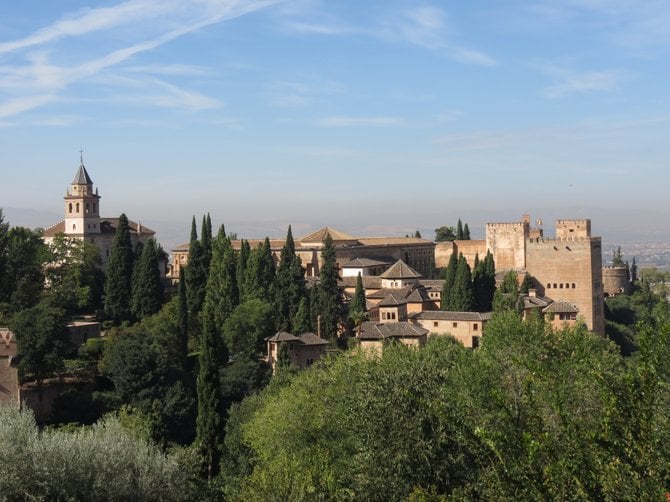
(444, 315)
(369, 281)
(320, 235)
(82, 177)
(312, 339)
(107, 226)
(393, 299)
(283, 336)
(561, 307)
(400, 270)
(371, 330)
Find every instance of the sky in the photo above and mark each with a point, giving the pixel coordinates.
(375, 117)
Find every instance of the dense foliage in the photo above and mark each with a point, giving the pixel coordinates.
(534, 414)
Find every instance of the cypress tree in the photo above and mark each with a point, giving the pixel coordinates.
(461, 298)
(466, 232)
(484, 283)
(118, 286)
(417, 234)
(196, 276)
(222, 294)
(449, 278)
(357, 307)
(206, 242)
(459, 230)
(182, 315)
(147, 295)
(302, 322)
(242, 263)
(507, 296)
(260, 274)
(526, 284)
(209, 423)
(329, 300)
(289, 285)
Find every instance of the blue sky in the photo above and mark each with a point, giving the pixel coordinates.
(370, 116)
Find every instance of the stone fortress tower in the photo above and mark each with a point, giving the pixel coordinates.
(566, 269)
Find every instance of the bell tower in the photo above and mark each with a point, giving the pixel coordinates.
(82, 206)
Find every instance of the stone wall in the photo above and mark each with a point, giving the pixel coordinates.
(615, 280)
(507, 242)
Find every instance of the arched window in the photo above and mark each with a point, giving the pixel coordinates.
(77, 207)
(94, 207)
(70, 207)
(548, 285)
(74, 227)
(87, 207)
(574, 285)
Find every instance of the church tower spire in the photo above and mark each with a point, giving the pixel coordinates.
(82, 205)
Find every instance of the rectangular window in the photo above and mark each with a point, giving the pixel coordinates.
(454, 325)
(475, 327)
(435, 323)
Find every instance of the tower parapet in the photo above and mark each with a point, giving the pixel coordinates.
(573, 228)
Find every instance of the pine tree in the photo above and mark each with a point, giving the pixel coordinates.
(289, 286)
(507, 296)
(118, 286)
(459, 230)
(461, 298)
(147, 294)
(449, 278)
(466, 232)
(329, 300)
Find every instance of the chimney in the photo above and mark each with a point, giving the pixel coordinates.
(532, 292)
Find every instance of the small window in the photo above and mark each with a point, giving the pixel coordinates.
(70, 206)
(574, 285)
(560, 286)
(555, 286)
(475, 327)
(77, 207)
(74, 227)
(87, 208)
(435, 323)
(454, 325)
(548, 285)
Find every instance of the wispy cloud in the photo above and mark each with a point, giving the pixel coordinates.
(570, 81)
(301, 91)
(171, 19)
(347, 121)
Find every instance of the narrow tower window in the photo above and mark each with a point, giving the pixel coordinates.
(77, 207)
(70, 207)
(87, 207)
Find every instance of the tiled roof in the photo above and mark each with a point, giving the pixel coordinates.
(383, 241)
(312, 339)
(432, 284)
(371, 330)
(444, 315)
(369, 282)
(364, 262)
(393, 299)
(530, 302)
(182, 247)
(320, 235)
(107, 226)
(283, 336)
(82, 177)
(561, 307)
(383, 293)
(400, 270)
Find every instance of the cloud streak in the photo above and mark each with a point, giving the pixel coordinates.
(348, 121)
(46, 79)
